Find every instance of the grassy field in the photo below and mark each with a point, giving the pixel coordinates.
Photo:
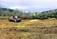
(29, 29)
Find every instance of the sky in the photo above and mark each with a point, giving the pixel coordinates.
(30, 5)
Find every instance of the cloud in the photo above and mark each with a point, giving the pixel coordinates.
(30, 5)
(18, 7)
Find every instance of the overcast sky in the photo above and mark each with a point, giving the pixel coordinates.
(30, 5)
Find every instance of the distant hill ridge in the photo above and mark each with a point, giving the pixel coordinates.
(29, 15)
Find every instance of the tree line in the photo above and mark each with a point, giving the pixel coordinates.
(29, 15)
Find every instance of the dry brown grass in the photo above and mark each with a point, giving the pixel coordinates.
(46, 23)
(29, 29)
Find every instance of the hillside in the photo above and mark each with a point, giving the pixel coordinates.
(30, 27)
(29, 15)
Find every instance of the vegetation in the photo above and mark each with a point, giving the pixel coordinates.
(31, 27)
(29, 15)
